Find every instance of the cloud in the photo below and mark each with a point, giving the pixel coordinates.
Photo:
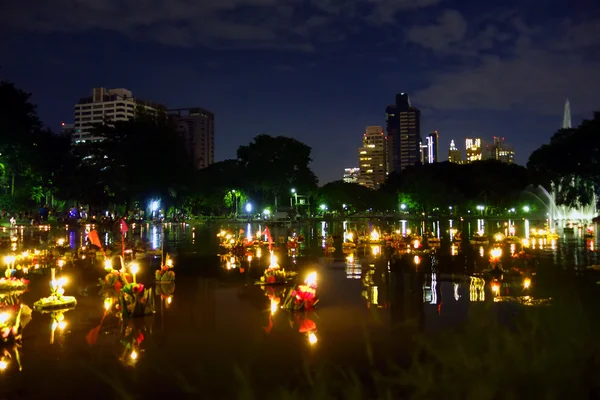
(450, 28)
(505, 64)
(231, 24)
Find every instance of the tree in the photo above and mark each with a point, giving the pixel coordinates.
(569, 165)
(355, 197)
(274, 165)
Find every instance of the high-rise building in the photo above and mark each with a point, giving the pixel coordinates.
(351, 174)
(372, 158)
(104, 106)
(474, 151)
(403, 125)
(454, 154)
(501, 151)
(67, 129)
(567, 116)
(431, 148)
(197, 126)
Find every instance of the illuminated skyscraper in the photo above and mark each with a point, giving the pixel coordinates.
(473, 148)
(372, 158)
(501, 151)
(454, 154)
(351, 175)
(432, 147)
(404, 133)
(567, 116)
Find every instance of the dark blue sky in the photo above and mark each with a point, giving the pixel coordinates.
(317, 70)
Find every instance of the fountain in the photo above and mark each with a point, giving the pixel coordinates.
(556, 212)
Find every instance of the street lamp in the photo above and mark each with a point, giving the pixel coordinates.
(403, 206)
(526, 209)
(248, 208)
(295, 205)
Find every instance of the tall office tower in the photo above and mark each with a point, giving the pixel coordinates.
(454, 154)
(423, 152)
(197, 126)
(351, 175)
(372, 158)
(104, 106)
(403, 125)
(501, 151)
(431, 148)
(474, 152)
(567, 116)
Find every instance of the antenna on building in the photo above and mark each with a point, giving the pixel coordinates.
(567, 115)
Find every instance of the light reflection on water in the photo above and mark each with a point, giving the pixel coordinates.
(214, 308)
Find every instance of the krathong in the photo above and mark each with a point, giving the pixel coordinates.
(136, 301)
(57, 300)
(274, 275)
(12, 321)
(303, 296)
(165, 274)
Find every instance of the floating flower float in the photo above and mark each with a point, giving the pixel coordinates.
(274, 275)
(12, 321)
(136, 301)
(57, 300)
(303, 296)
(9, 282)
(165, 274)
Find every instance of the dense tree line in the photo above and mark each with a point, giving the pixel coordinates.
(145, 158)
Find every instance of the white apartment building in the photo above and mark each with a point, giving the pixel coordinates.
(103, 106)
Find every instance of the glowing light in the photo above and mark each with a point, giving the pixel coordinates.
(62, 325)
(134, 268)
(526, 283)
(526, 209)
(495, 288)
(376, 250)
(498, 237)
(416, 244)
(273, 261)
(60, 241)
(3, 365)
(274, 306)
(311, 279)
(61, 263)
(248, 208)
(525, 242)
(108, 264)
(496, 252)
(107, 303)
(417, 260)
(267, 212)
(134, 355)
(403, 206)
(375, 235)
(4, 317)
(169, 299)
(312, 338)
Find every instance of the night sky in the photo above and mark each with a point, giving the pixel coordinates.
(317, 70)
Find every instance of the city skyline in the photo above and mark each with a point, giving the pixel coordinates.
(474, 70)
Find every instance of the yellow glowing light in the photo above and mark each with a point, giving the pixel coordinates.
(169, 299)
(526, 283)
(480, 232)
(258, 253)
(525, 242)
(62, 325)
(228, 236)
(62, 281)
(60, 241)
(312, 338)
(107, 264)
(375, 235)
(3, 365)
(496, 252)
(453, 250)
(249, 258)
(25, 254)
(107, 303)
(134, 355)
(376, 250)
(349, 236)
(311, 279)
(416, 244)
(408, 231)
(273, 261)
(498, 237)
(350, 258)
(274, 306)
(9, 260)
(417, 260)
(61, 263)
(4, 317)
(495, 288)
(134, 268)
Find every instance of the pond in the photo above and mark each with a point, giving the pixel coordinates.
(215, 332)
